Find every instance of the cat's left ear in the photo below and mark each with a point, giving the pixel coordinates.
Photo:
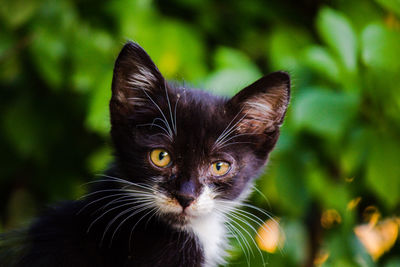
(136, 80)
(262, 104)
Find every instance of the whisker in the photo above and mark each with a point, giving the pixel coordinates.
(127, 218)
(140, 207)
(142, 185)
(154, 124)
(247, 232)
(117, 181)
(176, 104)
(230, 130)
(169, 107)
(100, 199)
(259, 221)
(234, 232)
(235, 143)
(232, 137)
(162, 134)
(246, 242)
(229, 124)
(253, 220)
(261, 194)
(133, 228)
(259, 210)
(112, 190)
(162, 113)
(108, 211)
(119, 200)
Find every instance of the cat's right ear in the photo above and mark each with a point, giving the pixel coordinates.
(262, 104)
(136, 78)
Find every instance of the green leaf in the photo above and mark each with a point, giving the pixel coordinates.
(234, 72)
(48, 50)
(17, 12)
(329, 194)
(354, 153)
(175, 47)
(324, 112)
(321, 60)
(180, 51)
(229, 58)
(229, 81)
(383, 169)
(91, 57)
(291, 186)
(98, 118)
(337, 32)
(100, 159)
(391, 5)
(381, 48)
(22, 126)
(284, 47)
(296, 237)
(52, 38)
(394, 262)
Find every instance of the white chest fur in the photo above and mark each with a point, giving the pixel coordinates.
(211, 233)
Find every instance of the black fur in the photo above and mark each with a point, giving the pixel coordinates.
(69, 234)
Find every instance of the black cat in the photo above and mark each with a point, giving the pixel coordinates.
(184, 160)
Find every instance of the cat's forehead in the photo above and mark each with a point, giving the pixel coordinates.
(200, 110)
(196, 102)
(196, 117)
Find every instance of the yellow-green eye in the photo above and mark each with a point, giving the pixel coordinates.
(160, 157)
(220, 168)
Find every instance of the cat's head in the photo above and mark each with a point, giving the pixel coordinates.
(191, 153)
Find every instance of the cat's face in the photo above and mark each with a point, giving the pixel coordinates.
(193, 153)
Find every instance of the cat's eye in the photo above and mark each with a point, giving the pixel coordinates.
(160, 157)
(220, 168)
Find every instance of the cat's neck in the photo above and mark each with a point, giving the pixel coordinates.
(211, 233)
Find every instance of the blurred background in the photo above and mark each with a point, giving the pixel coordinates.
(333, 181)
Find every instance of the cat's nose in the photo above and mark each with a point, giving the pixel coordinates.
(186, 193)
(184, 200)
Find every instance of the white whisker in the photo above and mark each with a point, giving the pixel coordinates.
(229, 130)
(100, 199)
(235, 143)
(133, 228)
(176, 104)
(235, 234)
(162, 113)
(106, 212)
(140, 207)
(169, 107)
(261, 194)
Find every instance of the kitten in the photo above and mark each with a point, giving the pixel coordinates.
(184, 159)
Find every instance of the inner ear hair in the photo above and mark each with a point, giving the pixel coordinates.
(263, 103)
(135, 80)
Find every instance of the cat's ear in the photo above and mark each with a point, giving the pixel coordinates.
(136, 78)
(263, 104)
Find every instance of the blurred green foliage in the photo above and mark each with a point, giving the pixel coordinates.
(340, 142)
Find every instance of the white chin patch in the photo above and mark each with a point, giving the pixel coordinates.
(203, 221)
(203, 205)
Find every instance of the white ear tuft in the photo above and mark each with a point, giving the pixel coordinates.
(263, 103)
(135, 79)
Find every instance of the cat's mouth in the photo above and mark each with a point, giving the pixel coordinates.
(178, 220)
(178, 215)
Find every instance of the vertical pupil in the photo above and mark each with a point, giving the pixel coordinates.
(161, 155)
(219, 165)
